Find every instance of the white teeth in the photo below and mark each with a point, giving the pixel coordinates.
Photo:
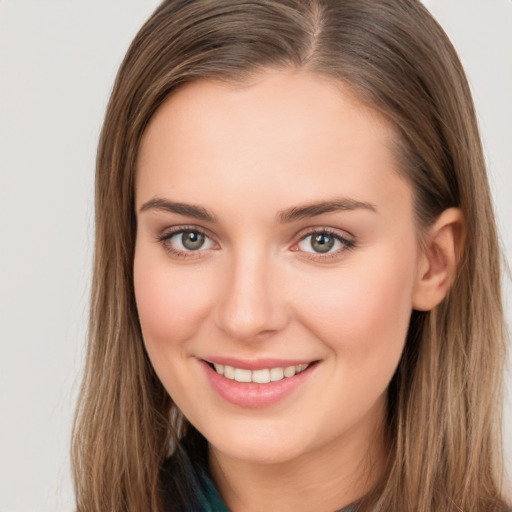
(229, 372)
(276, 374)
(289, 371)
(262, 376)
(242, 375)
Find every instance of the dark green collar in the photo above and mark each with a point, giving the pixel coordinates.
(211, 500)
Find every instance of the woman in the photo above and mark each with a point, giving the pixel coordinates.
(296, 301)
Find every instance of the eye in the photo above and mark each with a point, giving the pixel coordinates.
(324, 242)
(183, 241)
(189, 240)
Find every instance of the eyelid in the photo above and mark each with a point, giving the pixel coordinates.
(348, 243)
(166, 234)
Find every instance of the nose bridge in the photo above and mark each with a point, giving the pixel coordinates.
(248, 306)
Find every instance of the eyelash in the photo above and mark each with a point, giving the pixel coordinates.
(165, 238)
(346, 243)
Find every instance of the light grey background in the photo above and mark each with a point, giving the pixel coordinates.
(58, 59)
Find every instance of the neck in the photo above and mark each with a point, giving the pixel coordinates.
(332, 477)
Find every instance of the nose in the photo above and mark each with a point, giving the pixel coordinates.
(252, 302)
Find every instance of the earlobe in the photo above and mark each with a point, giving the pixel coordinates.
(438, 260)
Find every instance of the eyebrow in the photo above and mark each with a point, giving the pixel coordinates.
(190, 210)
(284, 216)
(313, 209)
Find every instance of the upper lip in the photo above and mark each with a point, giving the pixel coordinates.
(256, 364)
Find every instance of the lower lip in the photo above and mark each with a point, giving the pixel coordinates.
(251, 394)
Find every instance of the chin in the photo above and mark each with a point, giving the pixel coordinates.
(258, 455)
(257, 445)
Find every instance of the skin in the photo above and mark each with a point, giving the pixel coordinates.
(258, 289)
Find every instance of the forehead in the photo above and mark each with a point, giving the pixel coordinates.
(293, 134)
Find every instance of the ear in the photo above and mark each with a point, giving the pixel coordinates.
(438, 259)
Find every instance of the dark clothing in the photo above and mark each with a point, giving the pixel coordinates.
(188, 488)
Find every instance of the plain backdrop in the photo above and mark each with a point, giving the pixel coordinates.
(58, 59)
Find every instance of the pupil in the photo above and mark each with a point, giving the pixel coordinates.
(192, 240)
(322, 243)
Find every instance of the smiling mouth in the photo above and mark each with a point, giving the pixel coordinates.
(261, 376)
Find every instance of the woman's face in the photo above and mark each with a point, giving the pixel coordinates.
(275, 240)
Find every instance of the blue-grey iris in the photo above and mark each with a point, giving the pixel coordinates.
(322, 242)
(192, 240)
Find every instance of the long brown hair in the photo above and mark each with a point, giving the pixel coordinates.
(444, 400)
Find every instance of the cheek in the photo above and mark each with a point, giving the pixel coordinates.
(362, 316)
(171, 302)
(363, 311)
